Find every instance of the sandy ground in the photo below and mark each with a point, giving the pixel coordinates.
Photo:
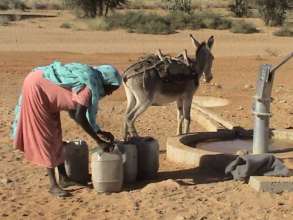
(179, 192)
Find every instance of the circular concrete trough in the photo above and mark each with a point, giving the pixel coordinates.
(190, 149)
(209, 102)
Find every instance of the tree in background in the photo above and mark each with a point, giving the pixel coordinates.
(179, 5)
(239, 8)
(12, 4)
(112, 4)
(92, 8)
(273, 12)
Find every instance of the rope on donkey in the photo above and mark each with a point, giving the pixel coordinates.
(169, 70)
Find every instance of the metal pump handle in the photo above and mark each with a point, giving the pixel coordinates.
(286, 59)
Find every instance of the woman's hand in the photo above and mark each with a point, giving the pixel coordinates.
(103, 139)
(108, 148)
(105, 136)
(105, 146)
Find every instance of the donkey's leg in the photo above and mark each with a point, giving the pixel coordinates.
(186, 113)
(131, 101)
(179, 116)
(139, 109)
(129, 122)
(143, 100)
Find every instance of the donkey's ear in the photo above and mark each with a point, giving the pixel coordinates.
(211, 42)
(194, 41)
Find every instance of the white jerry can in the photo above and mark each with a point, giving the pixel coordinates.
(107, 170)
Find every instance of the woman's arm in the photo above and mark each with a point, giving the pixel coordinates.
(79, 115)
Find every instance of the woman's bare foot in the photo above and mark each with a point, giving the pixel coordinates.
(57, 191)
(65, 182)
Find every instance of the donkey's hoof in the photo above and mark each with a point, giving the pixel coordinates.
(133, 134)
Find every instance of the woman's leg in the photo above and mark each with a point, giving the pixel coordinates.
(64, 180)
(55, 189)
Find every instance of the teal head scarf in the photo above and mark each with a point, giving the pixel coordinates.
(110, 75)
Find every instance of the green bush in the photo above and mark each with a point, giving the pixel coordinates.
(284, 32)
(213, 21)
(243, 27)
(178, 5)
(141, 23)
(11, 4)
(156, 25)
(142, 4)
(198, 20)
(40, 6)
(273, 12)
(66, 25)
(92, 8)
(4, 5)
(4, 20)
(88, 7)
(181, 20)
(239, 8)
(98, 24)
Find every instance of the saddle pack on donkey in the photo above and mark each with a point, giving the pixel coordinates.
(168, 69)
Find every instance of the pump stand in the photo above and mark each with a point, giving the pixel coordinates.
(261, 107)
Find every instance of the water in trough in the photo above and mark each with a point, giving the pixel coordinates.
(232, 146)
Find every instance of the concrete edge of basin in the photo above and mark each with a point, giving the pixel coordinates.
(179, 151)
(210, 101)
(178, 148)
(203, 121)
(282, 134)
(208, 119)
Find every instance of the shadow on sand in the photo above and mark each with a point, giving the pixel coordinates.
(192, 176)
(210, 170)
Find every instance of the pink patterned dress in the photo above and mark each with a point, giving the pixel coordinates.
(39, 133)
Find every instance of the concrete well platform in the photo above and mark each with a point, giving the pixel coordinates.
(183, 149)
(180, 151)
(271, 184)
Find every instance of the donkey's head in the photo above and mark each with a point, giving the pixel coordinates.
(204, 58)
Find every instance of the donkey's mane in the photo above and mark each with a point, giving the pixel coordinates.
(203, 44)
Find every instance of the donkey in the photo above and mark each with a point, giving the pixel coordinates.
(139, 97)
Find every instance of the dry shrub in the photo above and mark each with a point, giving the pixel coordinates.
(45, 4)
(141, 23)
(199, 4)
(4, 20)
(40, 6)
(199, 20)
(66, 25)
(161, 4)
(142, 4)
(273, 12)
(243, 27)
(98, 24)
(284, 32)
(4, 5)
(12, 4)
